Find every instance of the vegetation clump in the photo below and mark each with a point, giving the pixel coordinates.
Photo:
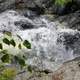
(62, 2)
(8, 74)
(8, 42)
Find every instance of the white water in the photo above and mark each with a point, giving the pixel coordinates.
(46, 52)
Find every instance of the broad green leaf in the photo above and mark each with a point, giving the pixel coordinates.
(5, 58)
(6, 41)
(19, 46)
(8, 33)
(12, 42)
(27, 44)
(22, 62)
(1, 47)
(4, 51)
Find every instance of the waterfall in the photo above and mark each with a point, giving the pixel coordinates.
(52, 43)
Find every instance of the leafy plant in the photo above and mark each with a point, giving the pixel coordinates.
(6, 41)
(12, 42)
(4, 51)
(62, 2)
(27, 44)
(8, 74)
(8, 33)
(21, 61)
(7, 57)
(1, 47)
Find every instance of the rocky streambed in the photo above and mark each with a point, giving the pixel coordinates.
(55, 39)
(53, 42)
(68, 71)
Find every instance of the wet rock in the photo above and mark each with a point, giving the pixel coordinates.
(24, 25)
(13, 21)
(69, 71)
(69, 7)
(44, 6)
(40, 6)
(6, 4)
(35, 5)
(29, 13)
(71, 20)
(70, 40)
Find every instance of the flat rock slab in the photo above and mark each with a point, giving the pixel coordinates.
(69, 71)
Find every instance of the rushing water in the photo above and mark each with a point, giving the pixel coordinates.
(50, 40)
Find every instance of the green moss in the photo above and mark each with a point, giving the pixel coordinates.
(62, 2)
(8, 74)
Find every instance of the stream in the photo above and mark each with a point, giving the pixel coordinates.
(52, 43)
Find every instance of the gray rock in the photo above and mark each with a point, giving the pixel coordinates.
(6, 4)
(69, 71)
(71, 21)
(40, 6)
(70, 41)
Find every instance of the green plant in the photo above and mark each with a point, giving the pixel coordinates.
(8, 74)
(62, 2)
(9, 42)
